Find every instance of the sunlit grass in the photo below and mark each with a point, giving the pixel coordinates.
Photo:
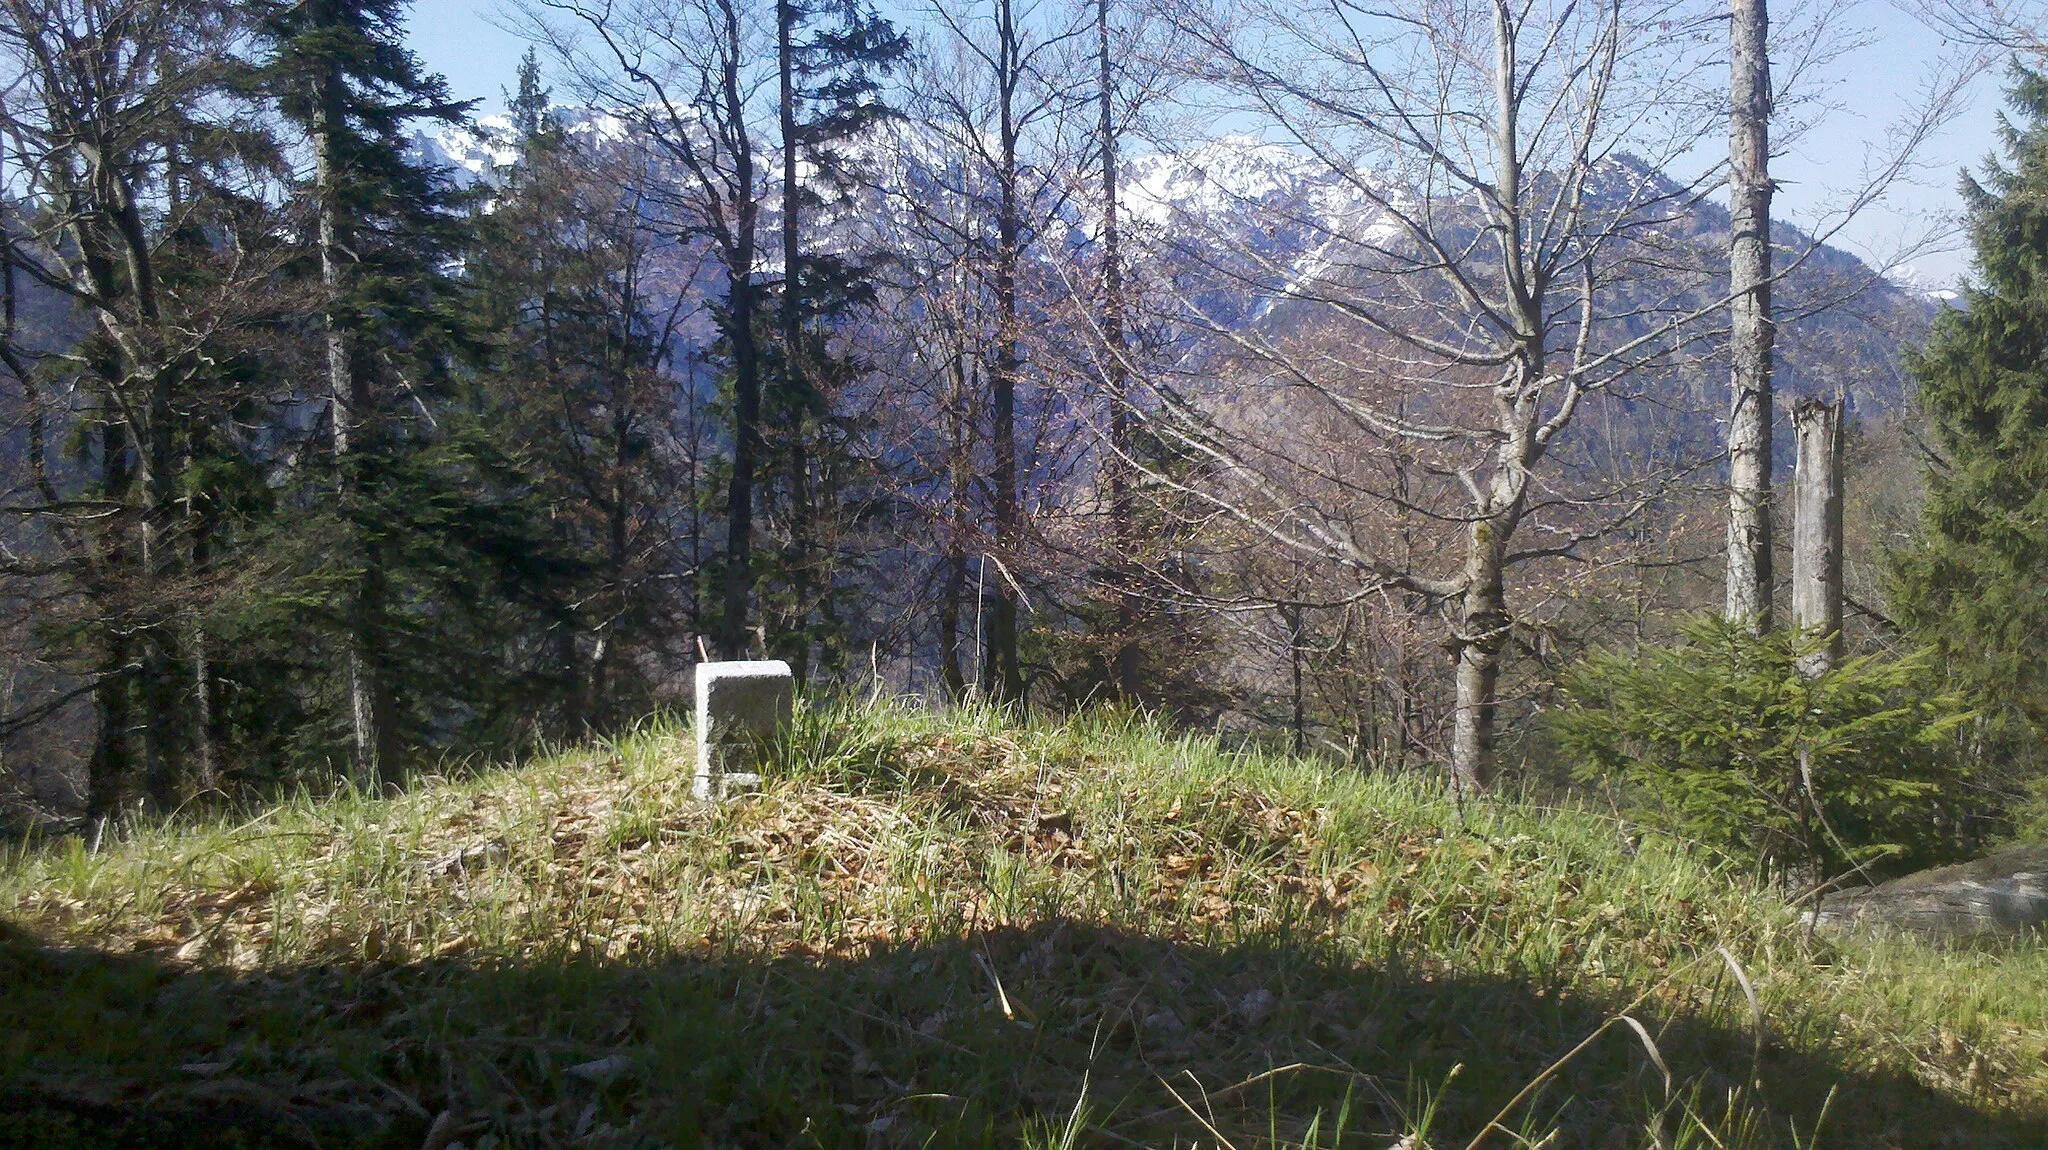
(952, 928)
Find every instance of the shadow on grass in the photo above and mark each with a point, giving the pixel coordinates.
(992, 1039)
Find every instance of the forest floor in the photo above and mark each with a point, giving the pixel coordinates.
(953, 930)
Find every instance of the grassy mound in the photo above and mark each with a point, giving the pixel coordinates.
(947, 930)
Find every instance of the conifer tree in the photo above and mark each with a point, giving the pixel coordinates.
(1976, 579)
(420, 553)
(576, 379)
(832, 57)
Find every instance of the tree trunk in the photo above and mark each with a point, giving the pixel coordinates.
(1290, 614)
(599, 705)
(740, 287)
(580, 686)
(112, 761)
(1480, 637)
(1002, 677)
(1116, 382)
(600, 708)
(954, 596)
(205, 737)
(739, 493)
(1817, 529)
(795, 380)
(206, 756)
(157, 688)
(344, 391)
(694, 429)
(161, 697)
(1751, 330)
(370, 688)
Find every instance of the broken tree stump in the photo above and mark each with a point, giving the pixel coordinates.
(1817, 529)
(741, 705)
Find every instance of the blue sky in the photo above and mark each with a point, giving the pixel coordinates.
(1871, 88)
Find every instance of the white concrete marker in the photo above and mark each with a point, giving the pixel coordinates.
(739, 704)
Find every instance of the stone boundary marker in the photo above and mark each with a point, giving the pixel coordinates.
(740, 706)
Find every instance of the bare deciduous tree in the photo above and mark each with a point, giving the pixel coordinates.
(2008, 25)
(136, 200)
(977, 190)
(1481, 237)
(1473, 304)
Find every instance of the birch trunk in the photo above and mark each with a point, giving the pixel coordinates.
(1751, 330)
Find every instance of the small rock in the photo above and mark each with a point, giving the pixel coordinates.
(474, 857)
(601, 1069)
(1255, 1005)
(1165, 1021)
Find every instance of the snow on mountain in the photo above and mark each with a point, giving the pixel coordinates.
(1223, 175)
(1300, 203)
(1910, 278)
(469, 153)
(1245, 217)
(1232, 175)
(483, 149)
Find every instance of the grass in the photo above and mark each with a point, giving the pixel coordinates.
(952, 930)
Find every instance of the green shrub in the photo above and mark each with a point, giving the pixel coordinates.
(1721, 739)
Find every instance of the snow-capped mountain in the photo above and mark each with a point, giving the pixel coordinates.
(484, 149)
(1262, 213)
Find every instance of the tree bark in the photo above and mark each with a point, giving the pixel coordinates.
(1002, 677)
(205, 735)
(1290, 615)
(954, 595)
(348, 403)
(160, 697)
(740, 300)
(1817, 530)
(112, 765)
(1751, 330)
(1116, 379)
(206, 755)
(795, 379)
(1480, 636)
(112, 762)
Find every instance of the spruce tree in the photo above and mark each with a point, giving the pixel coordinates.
(419, 553)
(1976, 579)
(559, 271)
(832, 57)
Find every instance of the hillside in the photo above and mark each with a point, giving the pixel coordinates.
(948, 930)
